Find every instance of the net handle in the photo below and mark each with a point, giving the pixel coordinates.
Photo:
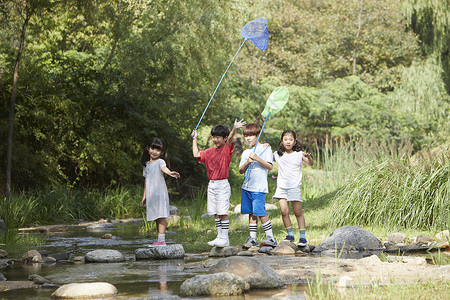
(219, 85)
(254, 149)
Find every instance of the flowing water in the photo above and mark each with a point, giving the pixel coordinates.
(143, 279)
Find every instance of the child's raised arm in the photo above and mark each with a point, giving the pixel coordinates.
(195, 151)
(237, 125)
(308, 159)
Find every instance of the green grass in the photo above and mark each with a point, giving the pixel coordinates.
(397, 192)
(321, 290)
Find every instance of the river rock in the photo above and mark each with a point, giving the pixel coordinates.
(104, 256)
(85, 290)
(223, 251)
(32, 255)
(3, 253)
(283, 249)
(258, 275)
(245, 253)
(265, 249)
(219, 284)
(60, 256)
(173, 210)
(351, 238)
(424, 239)
(38, 279)
(2, 277)
(49, 260)
(175, 251)
(396, 237)
(100, 226)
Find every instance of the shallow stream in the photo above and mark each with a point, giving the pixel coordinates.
(143, 279)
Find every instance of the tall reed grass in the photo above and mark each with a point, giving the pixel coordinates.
(62, 204)
(392, 188)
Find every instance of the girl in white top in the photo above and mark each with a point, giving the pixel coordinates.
(156, 197)
(289, 158)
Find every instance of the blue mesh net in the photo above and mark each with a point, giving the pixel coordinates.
(257, 32)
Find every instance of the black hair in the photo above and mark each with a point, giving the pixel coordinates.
(251, 129)
(220, 130)
(296, 147)
(157, 143)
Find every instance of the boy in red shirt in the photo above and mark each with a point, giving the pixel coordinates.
(217, 160)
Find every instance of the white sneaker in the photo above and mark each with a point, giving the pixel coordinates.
(213, 242)
(223, 242)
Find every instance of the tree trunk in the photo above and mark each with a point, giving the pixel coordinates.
(13, 104)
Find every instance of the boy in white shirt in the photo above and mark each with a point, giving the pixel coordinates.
(255, 187)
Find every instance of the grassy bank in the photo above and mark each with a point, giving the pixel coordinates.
(379, 187)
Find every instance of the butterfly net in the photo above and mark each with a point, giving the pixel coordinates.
(276, 101)
(257, 32)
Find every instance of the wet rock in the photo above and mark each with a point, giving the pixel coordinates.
(32, 255)
(85, 290)
(78, 259)
(57, 229)
(162, 252)
(2, 277)
(396, 237)
(60, 256)
(245, 253)
(104, 256)
(351, 238)
(108, 236)
(219, 284)
(49, 260)
(3, 253)
(284, 248)
(265, 249)
(255, 273)
(223, 251)
(38, 279)
(307, 249)
(50, 286)
(100, 226)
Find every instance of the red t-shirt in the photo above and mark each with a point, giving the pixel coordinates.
(217, 161)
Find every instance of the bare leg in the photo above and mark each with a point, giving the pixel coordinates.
(284, 207)
(161, 225)
(298, 212)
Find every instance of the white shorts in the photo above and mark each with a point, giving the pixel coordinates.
(292, 194)
(219, 193)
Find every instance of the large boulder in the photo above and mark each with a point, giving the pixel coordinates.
(85, 290)
(255, 273)
(351, 238)
(218, 284)
(161, 252)
(104, 256)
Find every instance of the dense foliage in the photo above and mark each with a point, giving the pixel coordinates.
(99, 79)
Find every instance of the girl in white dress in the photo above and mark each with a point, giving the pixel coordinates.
(289, 158)
(156, 197)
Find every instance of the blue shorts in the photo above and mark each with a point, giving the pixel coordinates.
(253, 203)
